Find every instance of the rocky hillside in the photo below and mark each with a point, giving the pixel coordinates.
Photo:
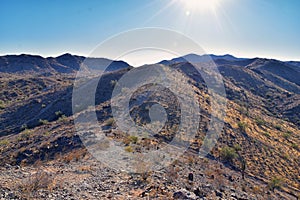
(255, 157)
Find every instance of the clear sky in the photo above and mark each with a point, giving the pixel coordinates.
(244, 28)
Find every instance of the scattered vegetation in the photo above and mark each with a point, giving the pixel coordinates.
(295, 146)
(113, 82)
(43, 121)
(242, 126)
(37, 181)
(109, 122)
(228, 153)
(133, 139)
(267, 134)
(278, 127)
(25, 135)
(47, 133)
(286, 135)
(129, 149)
(260, 121)
(23, 127)
(2, 105)
(237, 147)
(275, 183)
(124, 90)
(62, 118)
(4, 142)
(58, 114)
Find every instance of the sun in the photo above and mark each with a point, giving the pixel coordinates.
(191, 6)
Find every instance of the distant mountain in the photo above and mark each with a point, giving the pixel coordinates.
(284, 74)
(194, 58)
(66, 63)
(277, 68)
(295, 63)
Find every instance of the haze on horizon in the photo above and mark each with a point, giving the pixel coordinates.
(249, 28)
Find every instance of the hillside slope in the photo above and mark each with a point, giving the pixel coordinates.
(260, 139)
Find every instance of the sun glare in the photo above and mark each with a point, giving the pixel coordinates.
(200, 5)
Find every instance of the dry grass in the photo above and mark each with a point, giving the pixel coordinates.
(37, 181)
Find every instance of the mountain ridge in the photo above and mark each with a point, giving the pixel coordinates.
(66, 63)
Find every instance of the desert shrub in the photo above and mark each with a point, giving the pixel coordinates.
(58, 114)
(260, 122)
(43, 121)
(278, 127)
(129, 149)
(286, 135)
(4, 142)
(2, 105)
(237, 147)
(113, 82)
(125, 90)
(62, 118)
(295, 146)
(47, 133)
(39, 180)
(133, 139)
(228, 153)
(275, 183)
(25, 135)
(109, 122)
(23, 127)
(242, 126)
(267, 134)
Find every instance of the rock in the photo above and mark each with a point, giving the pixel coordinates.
(230, 178)
(191, 177)
(233, 195)
(218, 193)
(184, 194)
(199, 193)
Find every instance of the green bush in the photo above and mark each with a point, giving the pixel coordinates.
(129, 149)
(267, 134)
(4, 142)
(133, 139)
(2, 105)
(286, 135)
(228, 154)
(43, 121)
(237, 147)
(260, 122)
(278, 127)
(62, 118)
(113, 82)
(275, 183)
(25, 135)
(295, 146)
(23, 127)
(242, 126)
(58, 113)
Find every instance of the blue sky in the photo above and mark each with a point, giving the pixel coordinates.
(245, 28)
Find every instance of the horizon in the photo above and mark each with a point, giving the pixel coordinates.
(132, 61)
(252, 28)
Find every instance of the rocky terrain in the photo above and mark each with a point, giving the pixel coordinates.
(43, 157)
